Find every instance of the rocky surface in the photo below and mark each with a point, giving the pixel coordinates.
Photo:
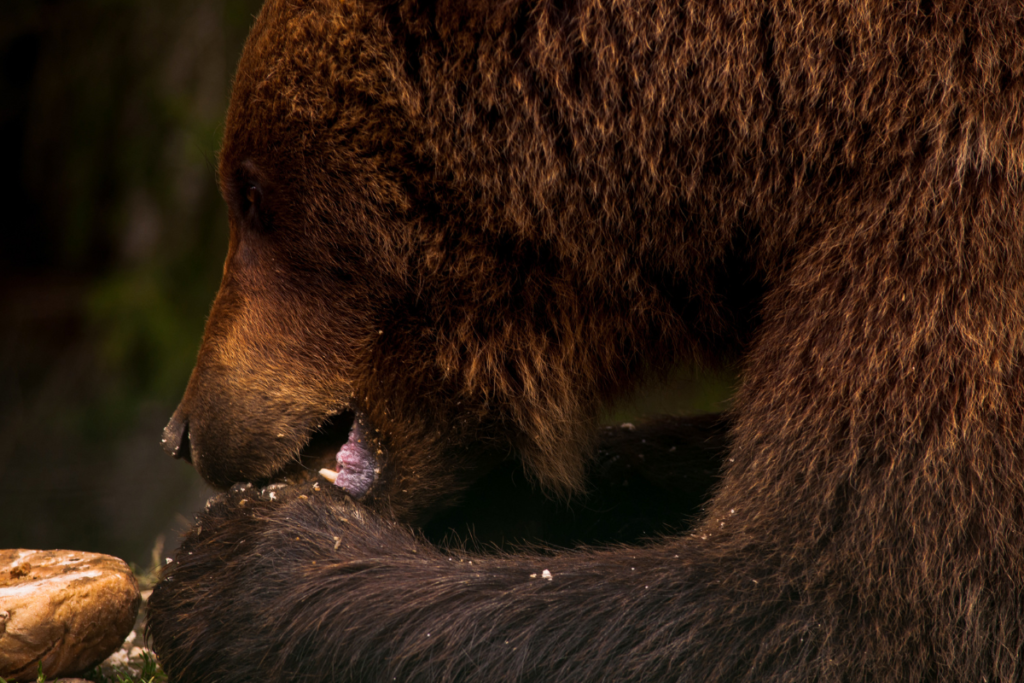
(130, 661)
(66, 609)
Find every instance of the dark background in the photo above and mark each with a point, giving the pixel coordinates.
(112, 235)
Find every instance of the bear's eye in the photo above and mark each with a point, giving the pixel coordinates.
(252, 197)
(250, 201)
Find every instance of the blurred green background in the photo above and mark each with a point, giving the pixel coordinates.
(112, 236)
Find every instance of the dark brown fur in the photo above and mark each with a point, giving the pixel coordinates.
(479, 225)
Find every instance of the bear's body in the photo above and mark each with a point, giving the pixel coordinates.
(470, 228)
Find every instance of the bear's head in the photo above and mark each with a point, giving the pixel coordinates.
(368, 296)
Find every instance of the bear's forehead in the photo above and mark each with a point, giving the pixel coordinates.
(277, 76)
(304, 63)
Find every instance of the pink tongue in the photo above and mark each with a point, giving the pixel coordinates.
(357, 468)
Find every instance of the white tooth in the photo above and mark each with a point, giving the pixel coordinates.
(329, 475)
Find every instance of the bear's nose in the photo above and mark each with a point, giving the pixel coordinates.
(175, 440)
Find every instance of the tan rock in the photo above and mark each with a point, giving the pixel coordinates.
(67, 609)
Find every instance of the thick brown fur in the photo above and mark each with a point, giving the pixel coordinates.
(476, 225)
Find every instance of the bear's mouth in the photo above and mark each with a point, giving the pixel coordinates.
(341, 450)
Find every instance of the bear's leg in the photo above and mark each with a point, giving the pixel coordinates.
(879, 433)
(314, 587)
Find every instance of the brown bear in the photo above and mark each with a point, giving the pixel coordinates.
(459, 229)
